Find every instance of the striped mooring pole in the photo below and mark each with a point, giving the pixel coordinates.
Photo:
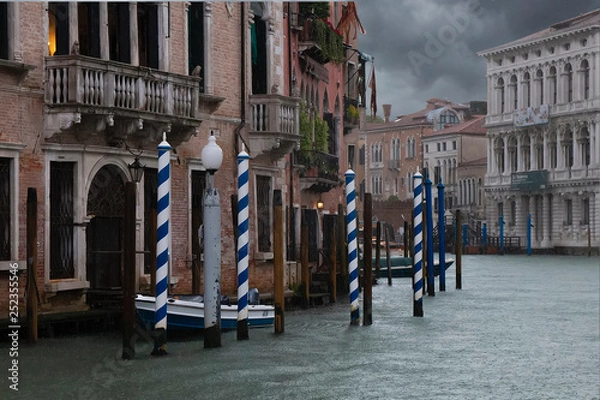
(243, 160)
(352, 247)
(528, 234)
(442, 236)
(429, 236)
(162, 246)
(501, 225)
(418, 243)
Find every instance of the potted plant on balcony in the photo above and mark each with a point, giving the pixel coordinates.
(314, 137)
(353, 114)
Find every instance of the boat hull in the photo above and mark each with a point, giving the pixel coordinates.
(401, 267)
(184, 314)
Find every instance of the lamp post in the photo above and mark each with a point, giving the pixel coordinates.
(137, 170)
(212, 157)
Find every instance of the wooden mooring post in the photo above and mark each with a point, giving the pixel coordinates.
(305, 271)
(378, 251)
(129, 272)
(368, 259)
(32, 292)
(278, 262)
(458, 250)
(333, 269)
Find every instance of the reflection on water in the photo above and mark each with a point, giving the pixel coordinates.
(521, 328)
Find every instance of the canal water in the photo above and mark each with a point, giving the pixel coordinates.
(521, 328)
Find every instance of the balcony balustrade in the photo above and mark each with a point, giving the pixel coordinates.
(274, 124)
(321, 171)
(94, 96)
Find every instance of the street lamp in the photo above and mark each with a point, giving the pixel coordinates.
(137, 170)
(212, 157)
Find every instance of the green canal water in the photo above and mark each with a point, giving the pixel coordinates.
(521, 328)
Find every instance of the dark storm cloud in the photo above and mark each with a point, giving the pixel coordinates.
(428, 48)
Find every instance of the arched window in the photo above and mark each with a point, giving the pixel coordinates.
(568, 148)
(500, 95)
(569, 81)
(584, 145)
(539, 82)
(525, 153)
(527, 90)
(585, 71)
(512, 152)
(499, 148)
(552, 85)
(446, 118)
(513, 91)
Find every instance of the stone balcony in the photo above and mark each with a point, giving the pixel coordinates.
(91, 98)
(274, 125)
(320, 173)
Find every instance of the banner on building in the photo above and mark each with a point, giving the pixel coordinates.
(532, 116)
(531, 181)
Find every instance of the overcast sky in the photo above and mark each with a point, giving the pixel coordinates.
(413, 65)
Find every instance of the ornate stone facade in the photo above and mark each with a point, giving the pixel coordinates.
(543, 131)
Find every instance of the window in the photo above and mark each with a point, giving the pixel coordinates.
(584, 141)
(196, 38)
(426, 148)
(118, 32)
(513, 91)
(147, 19)
(446, 118)
(539, 81)
(58, 29)
(454, 145)
(585, 70)
(258, 37)
(568, 148)
(61, 220)
(376, 184)
(569, 212)
(527, 90)
(444, 146)
(438, 146)
(88, 18)
(4, 32)
(500, 95)
(263, 212)
(552, 84)
(5, 210)
(569, 78)
(351, 157)
(585, 210)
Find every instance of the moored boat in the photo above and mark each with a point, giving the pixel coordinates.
(401, 267)
(188, 312)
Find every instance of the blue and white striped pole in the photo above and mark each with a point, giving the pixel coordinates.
(441, 235)
(162, 246)
(243, 160)
(528, 234)
(418, 243)
(352, 247)
(429, 236)
(501, 223)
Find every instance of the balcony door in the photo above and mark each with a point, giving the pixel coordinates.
(104, 233)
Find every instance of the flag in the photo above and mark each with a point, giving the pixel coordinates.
(373, 88)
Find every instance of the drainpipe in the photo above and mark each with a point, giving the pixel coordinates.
(290, 89)
(237, 137)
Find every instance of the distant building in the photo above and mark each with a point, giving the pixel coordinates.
(543, 127)
(450, 154)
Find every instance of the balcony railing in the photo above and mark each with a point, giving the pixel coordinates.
(321, 171)
(86, 81)
(274, 123)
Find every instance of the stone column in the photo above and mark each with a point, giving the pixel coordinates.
(73, 24)
(104, 39)
(490, 156)
(547, 222)
(133, 34)
(506, 155)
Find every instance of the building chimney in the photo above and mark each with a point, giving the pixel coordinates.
(387, 109)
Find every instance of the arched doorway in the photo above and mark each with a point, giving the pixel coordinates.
(104, 234)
